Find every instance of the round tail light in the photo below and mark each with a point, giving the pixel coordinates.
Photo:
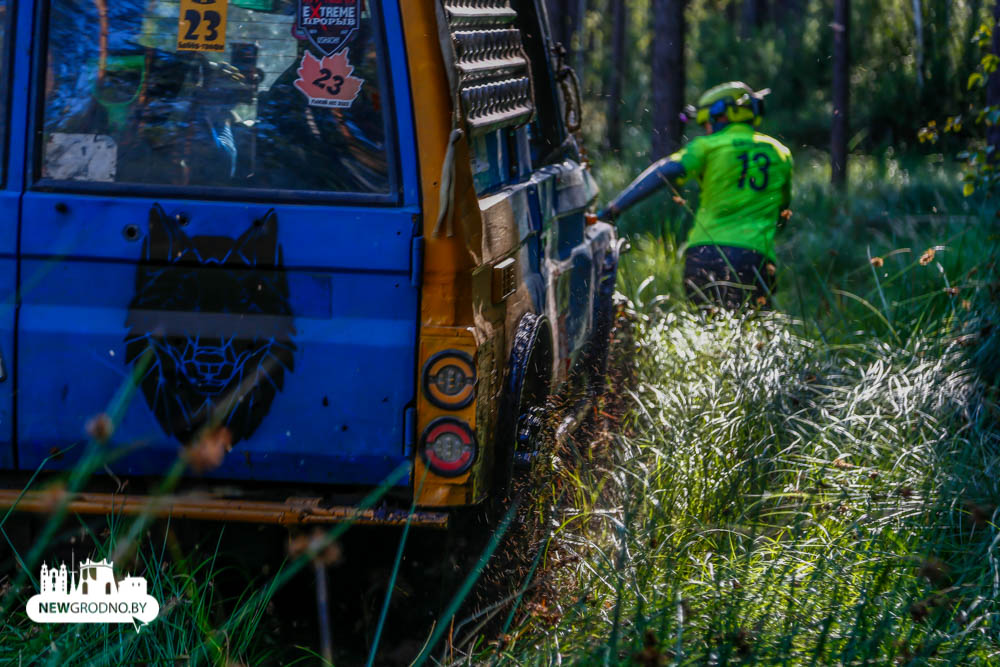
(449, 379)
(448, 446)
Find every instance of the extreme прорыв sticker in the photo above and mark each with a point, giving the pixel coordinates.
(328, 82)
(328, 23)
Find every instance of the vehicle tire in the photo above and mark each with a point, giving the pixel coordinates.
(604, 321)
(522, 408)
(525, 391)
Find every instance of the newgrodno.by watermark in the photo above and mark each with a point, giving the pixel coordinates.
(91, 595)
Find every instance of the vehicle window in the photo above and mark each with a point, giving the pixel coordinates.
(270, 94)
(500, 157)
(3, 81)
(546, 129)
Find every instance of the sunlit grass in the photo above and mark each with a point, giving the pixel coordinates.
(774, 500)
(815, 486)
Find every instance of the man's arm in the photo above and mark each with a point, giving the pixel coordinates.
(655, 177)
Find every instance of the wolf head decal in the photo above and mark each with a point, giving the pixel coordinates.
(214, 314)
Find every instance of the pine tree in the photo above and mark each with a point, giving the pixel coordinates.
(841, 91)
(668, 75)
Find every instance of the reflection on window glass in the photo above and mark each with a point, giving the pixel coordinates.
(254, 93)
(3, 80)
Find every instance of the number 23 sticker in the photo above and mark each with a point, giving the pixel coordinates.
(202, 25)
(328, 82)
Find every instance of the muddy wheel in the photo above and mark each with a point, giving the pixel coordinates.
(604, 321)
(599, 347)
(520, 422)
(522, 409)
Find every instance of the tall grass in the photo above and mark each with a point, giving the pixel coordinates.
(199, 622)
(816, 486)
(813, 486)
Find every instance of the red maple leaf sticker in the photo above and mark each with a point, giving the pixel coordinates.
(328, 82)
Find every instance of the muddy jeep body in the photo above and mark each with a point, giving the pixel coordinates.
(313, 231)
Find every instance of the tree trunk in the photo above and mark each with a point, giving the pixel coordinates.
(571, 17)
(785, 11)
(580, 42)
(918, 37)
(615, 101)
(941, 78)
(753, 17)
(731, 11)
(993, 85)
(668, 75)
(558, 18)
(841, 91)
(788, 15)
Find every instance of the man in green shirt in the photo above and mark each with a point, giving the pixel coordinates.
(745, 180)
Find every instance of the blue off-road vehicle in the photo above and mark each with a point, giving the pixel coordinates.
(333, 241)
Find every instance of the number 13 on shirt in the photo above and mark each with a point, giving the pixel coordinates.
(202, 25)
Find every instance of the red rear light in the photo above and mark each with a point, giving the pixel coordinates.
(448, 446)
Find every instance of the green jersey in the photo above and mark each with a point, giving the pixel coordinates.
(745, 180)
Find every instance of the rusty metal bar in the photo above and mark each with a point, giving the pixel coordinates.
(291, 511)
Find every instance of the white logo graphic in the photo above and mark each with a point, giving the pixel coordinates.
(92, 597)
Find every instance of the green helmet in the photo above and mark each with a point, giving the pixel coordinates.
(738, 101)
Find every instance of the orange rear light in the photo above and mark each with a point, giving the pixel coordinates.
(449, 379)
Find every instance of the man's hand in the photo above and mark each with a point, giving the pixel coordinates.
(609, 212)
(783, 217)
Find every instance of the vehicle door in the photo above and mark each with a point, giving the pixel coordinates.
(10, 198)
(222, 207)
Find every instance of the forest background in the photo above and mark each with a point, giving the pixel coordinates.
(821, 485)
(895, 64)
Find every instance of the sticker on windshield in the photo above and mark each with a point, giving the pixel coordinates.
(80, 157)
(202, 25)
(328, 23)
(328, 82)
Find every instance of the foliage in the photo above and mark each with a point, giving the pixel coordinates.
(896, 72)
(981, 132)
(812, 488)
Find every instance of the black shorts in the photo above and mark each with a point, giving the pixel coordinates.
(728, 276)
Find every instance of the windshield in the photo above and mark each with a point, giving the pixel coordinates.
(268, 94)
